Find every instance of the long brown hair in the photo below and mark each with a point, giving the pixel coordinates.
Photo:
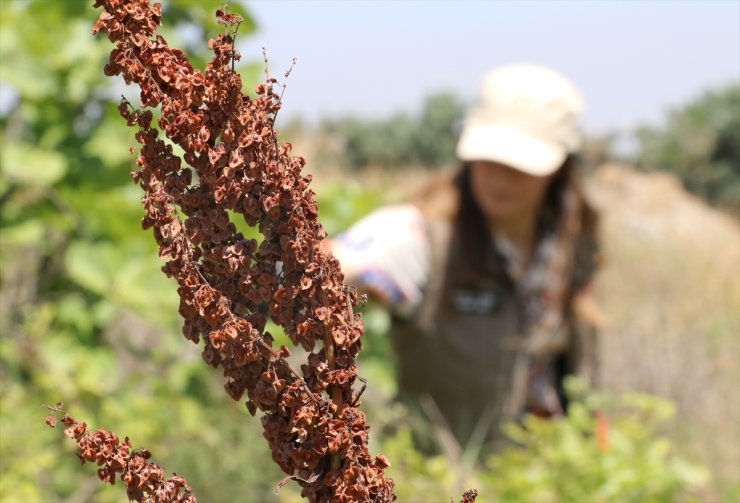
(470, 230)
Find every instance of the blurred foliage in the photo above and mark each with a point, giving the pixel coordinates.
(427, 139)
(700, 144)
(618, 455)
(607, 449)
(86, 316)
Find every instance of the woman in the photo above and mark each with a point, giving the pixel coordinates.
(487, 273)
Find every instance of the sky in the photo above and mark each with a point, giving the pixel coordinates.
(632, 60)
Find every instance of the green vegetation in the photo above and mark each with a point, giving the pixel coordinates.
(617, 455)
(607, 449)
(427, 139)
(87, 318)
(700, 144)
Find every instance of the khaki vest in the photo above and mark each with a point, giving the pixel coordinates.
(464, 349)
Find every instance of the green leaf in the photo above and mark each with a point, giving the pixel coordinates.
(32, 166)
(110, 142)
(140, 285)
(30, 232)
(251, 74)
(93, 265)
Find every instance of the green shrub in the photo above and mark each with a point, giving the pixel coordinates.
(611, 453)
(617, 454)
(426, 139)
(700, 144)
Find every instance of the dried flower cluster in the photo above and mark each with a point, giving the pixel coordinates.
(469, 496)
(234, 167)
(144, 480)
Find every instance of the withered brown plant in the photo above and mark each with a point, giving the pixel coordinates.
(144, 480)
(233, 166)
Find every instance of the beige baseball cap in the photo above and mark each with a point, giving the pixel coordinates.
(526, 116)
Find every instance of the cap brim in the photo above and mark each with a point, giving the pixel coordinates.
(511, 147)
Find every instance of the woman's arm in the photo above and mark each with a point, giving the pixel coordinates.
(386, 254)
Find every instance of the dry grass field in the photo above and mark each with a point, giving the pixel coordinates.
(670, 290)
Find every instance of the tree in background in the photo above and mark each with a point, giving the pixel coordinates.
(700, 144)
(427, 139)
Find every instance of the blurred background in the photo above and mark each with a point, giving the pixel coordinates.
(374, 104)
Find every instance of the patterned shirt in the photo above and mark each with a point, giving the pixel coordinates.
(388, 253)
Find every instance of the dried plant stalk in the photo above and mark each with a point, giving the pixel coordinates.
(144, 480)
(234, 166)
